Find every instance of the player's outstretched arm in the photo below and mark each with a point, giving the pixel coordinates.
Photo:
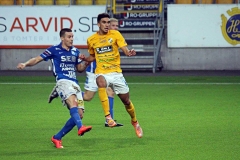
(30, 62)
(87, 59)
(128, 52)
(82, 66)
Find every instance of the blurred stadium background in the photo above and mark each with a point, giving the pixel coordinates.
(167, 35)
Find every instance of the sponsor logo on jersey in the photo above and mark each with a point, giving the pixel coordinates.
(68, 58)
(106, 60)
(103, 41)
(104, 49)
(106, 66)
(68, 69)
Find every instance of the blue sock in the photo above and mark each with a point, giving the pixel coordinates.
(67, 128)
(76, 117)
(111, 100)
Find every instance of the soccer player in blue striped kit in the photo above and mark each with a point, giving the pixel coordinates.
(90, 84)
(65, 61)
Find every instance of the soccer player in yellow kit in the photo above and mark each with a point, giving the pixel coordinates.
(103, 47)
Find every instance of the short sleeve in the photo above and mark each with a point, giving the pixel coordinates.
(90, 48)
(120, 40)
(78, 59)
(47, 54)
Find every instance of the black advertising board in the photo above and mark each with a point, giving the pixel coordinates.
(136, 15)
(141, 7)
(147, 23)
(137, 1)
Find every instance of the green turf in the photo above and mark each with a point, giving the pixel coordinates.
(180, 121)
(134, 79)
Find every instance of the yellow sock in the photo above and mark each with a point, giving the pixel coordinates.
(104, 100)
(131, 111)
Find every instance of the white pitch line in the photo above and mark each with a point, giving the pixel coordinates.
(211, 83)
(27, 83)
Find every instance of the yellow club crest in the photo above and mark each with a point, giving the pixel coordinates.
(231, 26)
(110, 40)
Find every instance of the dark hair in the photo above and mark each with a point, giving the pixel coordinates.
(102, 15)
(63, 31)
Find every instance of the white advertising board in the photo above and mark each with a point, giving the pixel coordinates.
(39, 26)
(203, 25)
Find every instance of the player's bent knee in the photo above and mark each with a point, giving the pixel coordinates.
(125, 101)
(72, 101)
(88, 95)
(124, 98)
(101, 82)
(101, 85)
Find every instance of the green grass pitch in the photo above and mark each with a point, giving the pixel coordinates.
(183, 118)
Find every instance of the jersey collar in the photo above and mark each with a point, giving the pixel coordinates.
(103, 34)
(60, 46)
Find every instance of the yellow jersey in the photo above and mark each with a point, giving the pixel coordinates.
(105, 50)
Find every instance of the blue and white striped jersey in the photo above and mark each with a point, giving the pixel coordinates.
(63, 62)
(91, 67)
